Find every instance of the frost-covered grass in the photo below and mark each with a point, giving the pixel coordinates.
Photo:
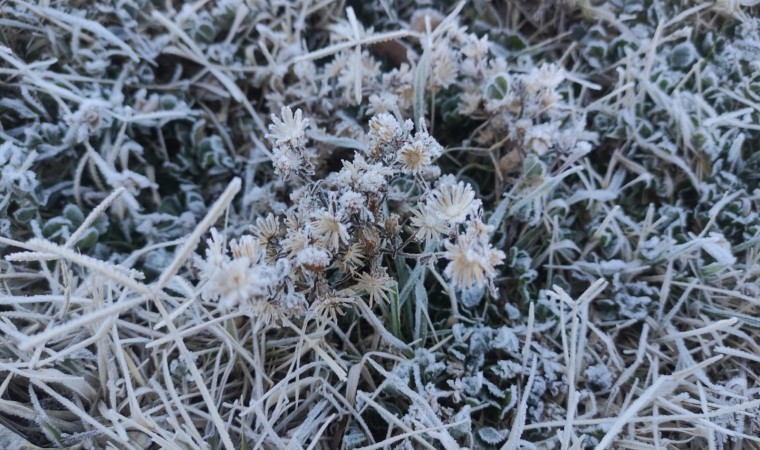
(392, 224)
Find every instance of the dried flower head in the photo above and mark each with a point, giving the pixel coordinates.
(333, 304)
(266, 229)
(237, 282)
(330, 229)
(472, 259)
(314, 258)
(377, 285)
(429, 225)
(290, 130)
(413, 157)
(351, 258)
(454, 202)
(246, 247)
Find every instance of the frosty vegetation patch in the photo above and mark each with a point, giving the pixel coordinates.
(389, 224)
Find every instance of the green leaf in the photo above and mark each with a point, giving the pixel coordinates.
(89, 238)
(514, 42)
(25, 213)
(533, 169)
(74, 214)
(205, 32)
(420, 310)
(420, 84)
(395, 325)
(498, 87)
(55, 227)
(492, 436)
(683, 55)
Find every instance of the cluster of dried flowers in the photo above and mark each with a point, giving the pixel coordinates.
(331, 244)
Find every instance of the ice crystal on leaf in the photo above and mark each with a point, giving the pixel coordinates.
(15, 174)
